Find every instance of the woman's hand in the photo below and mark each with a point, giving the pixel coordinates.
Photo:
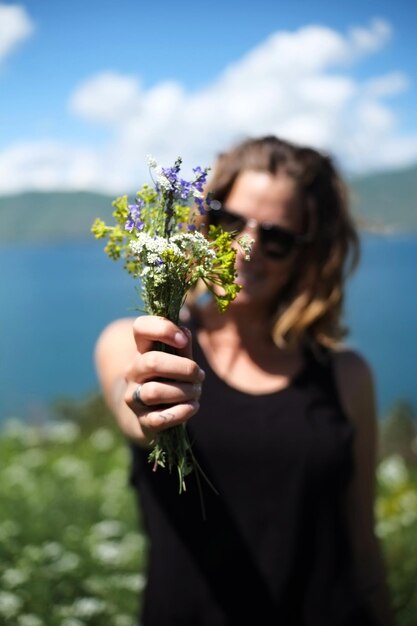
(170, 384)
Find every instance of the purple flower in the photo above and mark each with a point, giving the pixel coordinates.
(184, 189)
(200, 179)
(134, 218)
(200, 205)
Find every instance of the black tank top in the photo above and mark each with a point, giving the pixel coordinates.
(274, 547)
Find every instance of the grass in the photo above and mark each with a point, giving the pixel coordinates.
(71, 545)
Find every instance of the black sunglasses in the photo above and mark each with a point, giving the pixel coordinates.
(276, 242)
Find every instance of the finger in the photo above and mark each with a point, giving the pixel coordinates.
(161, 419)
(148, 329)
(155, 393)
(157, 365)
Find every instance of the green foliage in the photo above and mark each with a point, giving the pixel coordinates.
(396, 513)
(88, 413)
(70, 545)
(398, 433)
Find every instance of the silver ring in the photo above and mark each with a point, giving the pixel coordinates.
(136, 397)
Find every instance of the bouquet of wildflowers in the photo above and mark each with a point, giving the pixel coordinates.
(163, 247)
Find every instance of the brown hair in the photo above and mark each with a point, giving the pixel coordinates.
(312, 305)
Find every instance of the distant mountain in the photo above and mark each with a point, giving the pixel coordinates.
(51, 216)
(385, 201)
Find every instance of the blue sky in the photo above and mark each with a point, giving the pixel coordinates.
(88, 89)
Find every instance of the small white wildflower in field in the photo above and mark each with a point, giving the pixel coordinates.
(72, 467)
(68, 562)
(17, 430)
(29, 620)
(52, 550)
(130, 582)
(10, 604)
(392, 472)
(13, 577)
(102, 439)
(107, 553)
(62, 432)
(88, 607)
(17, 476)
(108, 528)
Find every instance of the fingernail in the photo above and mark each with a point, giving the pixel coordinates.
(180, 339)
(197, 390)
(201, 374)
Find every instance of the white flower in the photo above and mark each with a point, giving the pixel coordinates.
(163, 182)
(129, 582)
(29, 620)
(71, 467)
(14, 577)
(151, 161)
(10, 604)
(52, 550)
(88, 607)
(108, 528)
(107, 552)
(68, 562)
(150, 248)
(102, 439)
(62, 432)
(392, 472)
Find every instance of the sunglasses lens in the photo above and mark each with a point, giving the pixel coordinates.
(228, 221)
(276, 243)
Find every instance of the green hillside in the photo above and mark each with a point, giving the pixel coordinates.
(384, 201)
(51, 216)
(387, 200)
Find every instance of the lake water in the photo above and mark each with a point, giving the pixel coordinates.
(55, 299)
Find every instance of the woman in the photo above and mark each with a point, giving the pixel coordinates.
(283, 418)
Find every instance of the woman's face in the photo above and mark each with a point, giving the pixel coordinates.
(270, 199)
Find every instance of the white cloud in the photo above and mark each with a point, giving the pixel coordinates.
(299, 85)
(387, 85)
(48, 166)
(15, 27)
(365, 41)
(107, 97)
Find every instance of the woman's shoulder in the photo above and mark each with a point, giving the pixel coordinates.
(355, 383)
(351, 363)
